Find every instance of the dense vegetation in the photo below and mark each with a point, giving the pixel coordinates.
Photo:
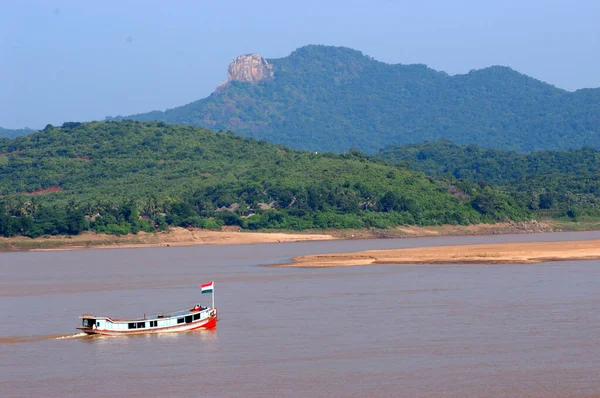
(332, 99)
(554, 183)
(121, 177)
(7, 133)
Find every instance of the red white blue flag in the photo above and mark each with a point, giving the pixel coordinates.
(207, 287)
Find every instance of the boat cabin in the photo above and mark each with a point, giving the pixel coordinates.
(91, 324)
(88, 322)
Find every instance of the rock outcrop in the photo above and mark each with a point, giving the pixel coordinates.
(249, 68)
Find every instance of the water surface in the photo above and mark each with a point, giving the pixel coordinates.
(436, 330)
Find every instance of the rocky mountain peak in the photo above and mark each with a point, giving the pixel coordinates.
(249, 68)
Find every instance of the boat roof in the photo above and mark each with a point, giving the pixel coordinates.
(146, 318)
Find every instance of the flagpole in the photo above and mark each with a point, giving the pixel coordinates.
(213, 296)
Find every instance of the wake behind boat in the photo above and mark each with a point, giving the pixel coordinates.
(197, 317)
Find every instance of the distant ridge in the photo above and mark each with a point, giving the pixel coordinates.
(327, 98)
(7, 133)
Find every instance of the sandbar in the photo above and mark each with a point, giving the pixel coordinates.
(497, 253)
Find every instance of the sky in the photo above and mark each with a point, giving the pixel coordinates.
(73, 60)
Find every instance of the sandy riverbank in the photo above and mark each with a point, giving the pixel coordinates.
(174, 237)
(232, 235)
(499, 253)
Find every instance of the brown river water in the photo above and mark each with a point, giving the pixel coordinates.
(388, 331)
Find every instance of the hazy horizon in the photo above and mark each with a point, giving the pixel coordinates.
(72, 61)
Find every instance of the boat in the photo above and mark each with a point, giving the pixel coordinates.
(197, 317)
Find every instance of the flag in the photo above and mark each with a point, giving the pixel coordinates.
(207, 287)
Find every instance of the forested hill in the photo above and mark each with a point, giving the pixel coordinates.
(124, 176)
(551, 180)
(495, 166)
(7, 133)
(332, 98)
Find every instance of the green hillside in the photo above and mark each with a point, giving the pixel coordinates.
(548, 181)
(332, 99)
(125, 176)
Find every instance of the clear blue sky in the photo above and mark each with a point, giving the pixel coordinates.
(74, 60)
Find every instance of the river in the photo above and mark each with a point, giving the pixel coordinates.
(389, 331)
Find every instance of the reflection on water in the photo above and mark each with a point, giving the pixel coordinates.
(492, 330)
(201, 335)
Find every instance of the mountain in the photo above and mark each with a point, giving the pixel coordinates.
(119, 177)
(556, 182)
(6, 133)
(325, 98)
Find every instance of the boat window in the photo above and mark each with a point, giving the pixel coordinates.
(196, 317)
(188, 319)
(131, 325)
(141, 325)
(179, 320)
(153, 324)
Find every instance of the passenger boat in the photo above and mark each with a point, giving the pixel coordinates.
(197, 317)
